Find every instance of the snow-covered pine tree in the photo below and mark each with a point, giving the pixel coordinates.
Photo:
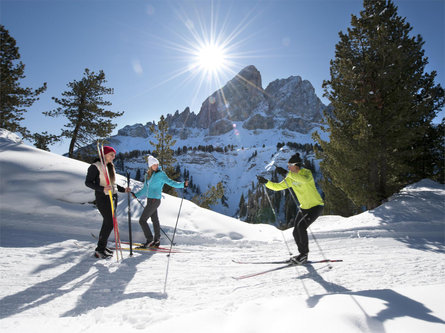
(383, 105)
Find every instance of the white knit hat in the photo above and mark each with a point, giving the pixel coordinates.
(152, 160)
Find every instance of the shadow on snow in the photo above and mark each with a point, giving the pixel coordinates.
(397, 305)
(104, 287)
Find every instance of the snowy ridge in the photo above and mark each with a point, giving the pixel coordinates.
(391, 279)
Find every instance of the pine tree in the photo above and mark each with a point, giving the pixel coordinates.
(433, 162)
(163, 151)
(275, 196)
(82, 105)
(163, 147)
(290, 209)
(138, 175)
(264, 213)
(13, 98)
(44, 140)
(211, 197)
(383, 105)
(242, 208)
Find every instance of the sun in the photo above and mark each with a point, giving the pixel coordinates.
(211, 58)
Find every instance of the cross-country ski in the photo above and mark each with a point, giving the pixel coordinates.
(149, 250)
(287, 261)
(287, 264)
(139, 246)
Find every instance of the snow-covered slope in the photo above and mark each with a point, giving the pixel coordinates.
(391, 279)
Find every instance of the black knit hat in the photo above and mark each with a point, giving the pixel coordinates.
(295, 159)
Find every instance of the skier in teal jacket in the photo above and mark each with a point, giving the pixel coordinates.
(152, 190)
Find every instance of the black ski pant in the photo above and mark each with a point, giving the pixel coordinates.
(151, 211)
(104, 206)
(303, 220)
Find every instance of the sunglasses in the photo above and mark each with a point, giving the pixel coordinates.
(290, 164)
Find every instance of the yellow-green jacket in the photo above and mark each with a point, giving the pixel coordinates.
(303, 185)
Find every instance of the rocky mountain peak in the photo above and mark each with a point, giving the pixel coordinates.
(180, 120)
(289, 104)
(136, 130)
(236, 101)
(294, 97)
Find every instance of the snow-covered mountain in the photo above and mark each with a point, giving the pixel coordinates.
(241, 114)
(391, 278)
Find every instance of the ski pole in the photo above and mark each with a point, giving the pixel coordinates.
(129, 215)
(159, 226)
(276, 219)
(177, 219)
(171, 243)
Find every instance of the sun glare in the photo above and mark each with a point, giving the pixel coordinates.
(211, 58)
(210, 49)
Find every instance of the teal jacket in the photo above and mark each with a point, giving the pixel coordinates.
(153, 187)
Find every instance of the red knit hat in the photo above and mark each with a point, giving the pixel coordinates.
(108, 149)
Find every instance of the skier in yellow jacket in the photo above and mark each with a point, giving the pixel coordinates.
(302, 183)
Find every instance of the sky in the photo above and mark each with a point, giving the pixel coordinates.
(153, 52)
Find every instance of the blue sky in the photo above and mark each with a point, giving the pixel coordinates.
(146, 47)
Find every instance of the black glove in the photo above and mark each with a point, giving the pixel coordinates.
(281, 171)
(262, 180)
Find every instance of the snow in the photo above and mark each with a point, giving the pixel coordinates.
(391, 279)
